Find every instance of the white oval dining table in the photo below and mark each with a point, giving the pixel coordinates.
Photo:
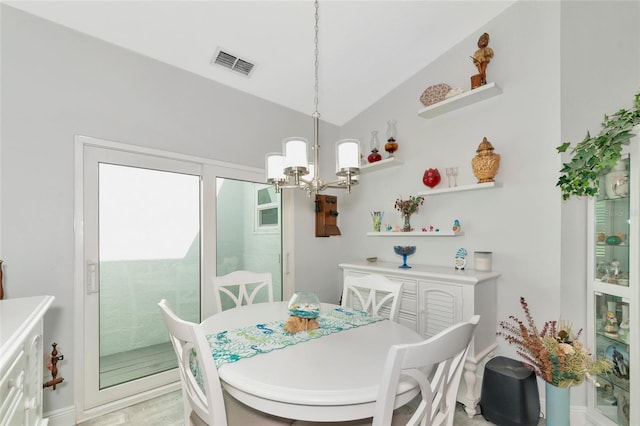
(330, 378)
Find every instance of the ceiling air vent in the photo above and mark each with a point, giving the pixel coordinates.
(229, 61)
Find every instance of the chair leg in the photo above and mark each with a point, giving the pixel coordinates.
(187, 409)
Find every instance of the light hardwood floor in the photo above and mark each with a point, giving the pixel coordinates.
(166, 410)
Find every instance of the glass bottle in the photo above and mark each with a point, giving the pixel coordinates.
(391, 146)
(374, 156)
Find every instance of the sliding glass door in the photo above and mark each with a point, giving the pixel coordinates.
(154, 227)
(142, 244)
(248, 229)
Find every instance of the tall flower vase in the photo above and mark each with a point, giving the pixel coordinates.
(407, 224)
(557, 405)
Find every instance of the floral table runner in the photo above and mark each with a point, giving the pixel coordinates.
(234, 345)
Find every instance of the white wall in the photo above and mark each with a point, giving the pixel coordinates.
(57, 83)
(559, 77)
(518, 222)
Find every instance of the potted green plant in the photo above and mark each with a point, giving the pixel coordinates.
(595, 154)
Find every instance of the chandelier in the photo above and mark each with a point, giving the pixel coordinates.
(291, 168)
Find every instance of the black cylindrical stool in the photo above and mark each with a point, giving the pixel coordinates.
(509, 394)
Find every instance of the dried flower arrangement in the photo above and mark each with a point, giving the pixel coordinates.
(554, 353)
(409, 206)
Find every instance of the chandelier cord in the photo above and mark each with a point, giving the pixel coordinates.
(317, 62)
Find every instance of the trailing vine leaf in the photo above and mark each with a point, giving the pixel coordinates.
(595, 154)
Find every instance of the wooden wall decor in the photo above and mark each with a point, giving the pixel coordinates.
(55, 380)
(326, 216)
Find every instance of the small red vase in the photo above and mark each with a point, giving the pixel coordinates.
(374, 156)
(431, 177)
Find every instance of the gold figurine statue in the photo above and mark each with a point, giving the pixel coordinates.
(481, 59)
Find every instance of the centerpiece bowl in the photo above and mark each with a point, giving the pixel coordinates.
(404, 251)
(304, 304)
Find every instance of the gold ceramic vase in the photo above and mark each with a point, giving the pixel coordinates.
(485, 164)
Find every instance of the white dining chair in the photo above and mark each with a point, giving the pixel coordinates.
(448, 350)
(445, 352)
(373, 293)
(243, 287)
(205, 402)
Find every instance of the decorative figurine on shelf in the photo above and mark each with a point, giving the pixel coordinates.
(611, 326)
(616, 182)
(481, 59)
(407, 208)
(623, 330)
(456, 226)
(615, 268)
(434, 94)
(485, 164)
(611, 321)
(461, 259)
(392, 132)
(431, 177)
(373, 145)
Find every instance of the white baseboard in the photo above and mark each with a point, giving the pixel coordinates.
(62, 417)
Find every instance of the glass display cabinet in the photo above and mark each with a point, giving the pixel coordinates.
(613, 291)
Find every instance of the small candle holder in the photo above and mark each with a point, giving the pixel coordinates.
(482, 260)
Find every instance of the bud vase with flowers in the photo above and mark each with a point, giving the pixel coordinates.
(407, 208)
(555, 354)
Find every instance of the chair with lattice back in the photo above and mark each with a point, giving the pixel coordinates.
(243, 288)
(436, 365)
(205, 401)
(446, 352)
(373, 293)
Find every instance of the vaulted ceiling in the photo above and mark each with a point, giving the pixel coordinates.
(367, 48)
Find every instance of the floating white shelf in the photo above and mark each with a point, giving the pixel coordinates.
(487, 91)
(416, 234)
(461, 188)
(380, 165)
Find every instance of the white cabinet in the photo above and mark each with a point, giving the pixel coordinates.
(21, 360)
(435, 297)
(613, 291)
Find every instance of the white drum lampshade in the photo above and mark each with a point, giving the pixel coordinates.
(295, 156)
(347, 156)
(275, 167)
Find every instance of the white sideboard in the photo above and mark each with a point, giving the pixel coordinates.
(21, 360)
(435, 297)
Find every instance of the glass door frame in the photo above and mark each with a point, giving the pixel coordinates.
(168, 381)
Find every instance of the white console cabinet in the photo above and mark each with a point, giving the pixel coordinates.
(435, 297)
(21, 360)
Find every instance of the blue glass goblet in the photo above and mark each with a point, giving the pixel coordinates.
(404, 251)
